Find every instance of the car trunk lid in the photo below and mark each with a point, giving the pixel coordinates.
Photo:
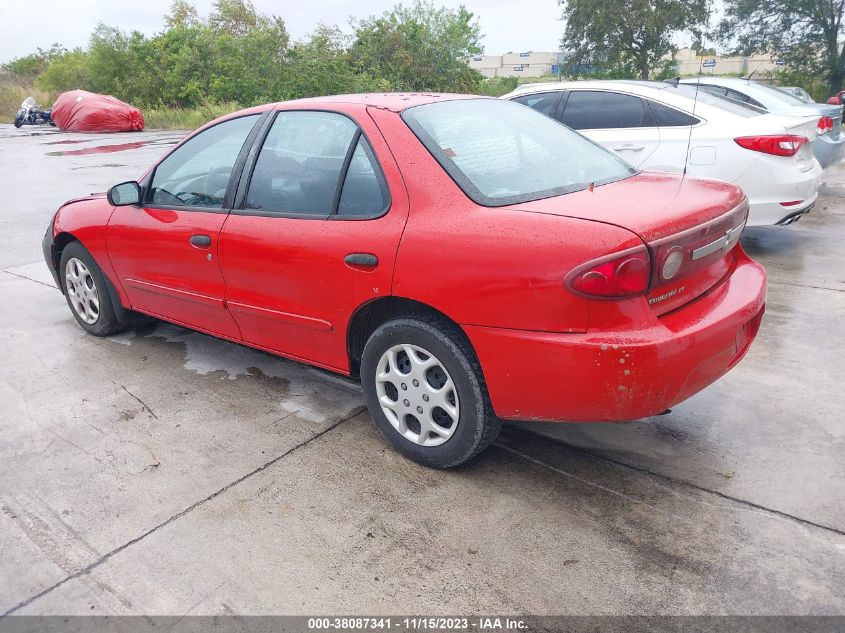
(694, 222)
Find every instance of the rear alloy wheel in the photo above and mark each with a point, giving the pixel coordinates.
(87, 292)
(417, 395)
(426, 392)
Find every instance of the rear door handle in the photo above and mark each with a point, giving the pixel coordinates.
(361, 259)
(201, 241)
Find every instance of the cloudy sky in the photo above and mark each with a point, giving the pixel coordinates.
(508, 25)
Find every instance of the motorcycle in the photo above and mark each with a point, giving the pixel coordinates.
(30, 113)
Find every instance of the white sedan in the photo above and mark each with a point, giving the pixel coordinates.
(658, 126)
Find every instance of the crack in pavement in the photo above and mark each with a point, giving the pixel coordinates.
(89, 568)
(797, 285)
(141, 402)
(646, 471)
(9, 272)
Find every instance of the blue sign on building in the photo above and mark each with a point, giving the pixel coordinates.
(555, 69)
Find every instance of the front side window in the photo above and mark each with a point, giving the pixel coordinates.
(545, 102)
(597, 110)
(197, 173)
(501, 153)
(299, 167)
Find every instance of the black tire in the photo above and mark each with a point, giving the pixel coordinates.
(476, 427)
(106, 322)
(18, 121)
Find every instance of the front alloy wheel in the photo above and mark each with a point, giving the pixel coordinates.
(82, 291)
(87, 292)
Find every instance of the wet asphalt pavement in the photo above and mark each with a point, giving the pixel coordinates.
(162, 471)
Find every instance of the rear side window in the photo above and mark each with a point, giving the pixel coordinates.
(670, 117)
(299, 167)
(545, 102)
(500, 153)
(364, 191)
(596, 110)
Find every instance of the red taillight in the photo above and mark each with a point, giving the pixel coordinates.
(825, 125)
(616, 276)
(777, 145)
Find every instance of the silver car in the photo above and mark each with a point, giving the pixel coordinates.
(828, 148)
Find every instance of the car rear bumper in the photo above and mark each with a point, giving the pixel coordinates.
(829, 151)
(769, 184)
(625, 374)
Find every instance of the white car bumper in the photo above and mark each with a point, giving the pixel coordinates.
(769, 184)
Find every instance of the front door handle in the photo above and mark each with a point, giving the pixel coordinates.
(629, 148)
(201, 241)
(361, 259)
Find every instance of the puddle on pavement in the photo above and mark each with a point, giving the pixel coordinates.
(100, 149)
(65, 142)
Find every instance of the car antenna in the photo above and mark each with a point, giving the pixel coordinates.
(751, 74)
(694, 103)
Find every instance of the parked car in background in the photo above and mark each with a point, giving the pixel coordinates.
(837, 99)
(798, 93)
(658, 126)
(830, 145)
(470, 259)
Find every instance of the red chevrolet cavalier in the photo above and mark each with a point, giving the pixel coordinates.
(470, 259)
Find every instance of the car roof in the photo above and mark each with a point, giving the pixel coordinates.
(770, 96)
(393, 101)
(590, 83)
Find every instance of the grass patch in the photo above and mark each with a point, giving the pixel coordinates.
(164, 118)
(13, 93)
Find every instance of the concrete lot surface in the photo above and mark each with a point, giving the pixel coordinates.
(162, 471)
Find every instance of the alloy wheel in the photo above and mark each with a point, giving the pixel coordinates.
(82, 291)
(417, 395)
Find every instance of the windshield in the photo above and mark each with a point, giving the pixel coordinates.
(501, 152)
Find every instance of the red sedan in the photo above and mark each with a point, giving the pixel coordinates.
(470, 259)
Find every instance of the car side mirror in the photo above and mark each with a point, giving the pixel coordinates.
(124, 194)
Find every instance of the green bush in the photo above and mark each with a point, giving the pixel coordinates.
(497, 86)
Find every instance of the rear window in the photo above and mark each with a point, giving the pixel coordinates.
(500, 153)
(703, 95)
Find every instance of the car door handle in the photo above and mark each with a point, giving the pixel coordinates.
(201, 241)
(629, 148)
(361, 259)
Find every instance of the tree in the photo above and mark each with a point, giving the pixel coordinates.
(419, 47)
(628, 36)
(321, 66)
(804, 33)
(182, 13)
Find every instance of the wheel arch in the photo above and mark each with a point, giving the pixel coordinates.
(60, 242)
(369, 316)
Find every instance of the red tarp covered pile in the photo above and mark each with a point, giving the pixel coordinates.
(81, 111)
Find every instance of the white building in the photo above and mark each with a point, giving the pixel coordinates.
(527, 64)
